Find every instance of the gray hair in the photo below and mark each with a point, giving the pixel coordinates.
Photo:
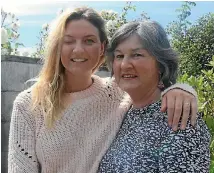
(154, 40)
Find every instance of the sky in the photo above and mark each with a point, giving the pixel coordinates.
(32, 15)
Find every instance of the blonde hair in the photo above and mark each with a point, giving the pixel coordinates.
(48, 91)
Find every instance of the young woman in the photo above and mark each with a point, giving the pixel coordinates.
(66, 121)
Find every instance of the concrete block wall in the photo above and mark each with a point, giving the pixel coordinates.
(15, 71)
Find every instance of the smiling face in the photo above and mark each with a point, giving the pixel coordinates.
(81, 48)
(134, 68)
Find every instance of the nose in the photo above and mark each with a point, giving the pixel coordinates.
(78, 48)
(126, 64)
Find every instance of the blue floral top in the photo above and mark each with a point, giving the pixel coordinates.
(145, 143)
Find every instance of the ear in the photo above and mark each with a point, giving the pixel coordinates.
(102, 48)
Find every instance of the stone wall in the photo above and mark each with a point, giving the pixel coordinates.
(15, 71)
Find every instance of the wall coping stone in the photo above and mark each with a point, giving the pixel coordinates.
(30, 60)
(22, 59)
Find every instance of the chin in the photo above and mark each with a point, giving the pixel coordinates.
(128, 88)
(78, 71)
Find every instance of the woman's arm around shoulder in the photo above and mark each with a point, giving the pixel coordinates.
(180, 100)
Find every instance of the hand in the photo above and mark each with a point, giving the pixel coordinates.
(179, 103)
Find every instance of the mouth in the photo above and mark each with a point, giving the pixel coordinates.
(129, 76)
(78, 59)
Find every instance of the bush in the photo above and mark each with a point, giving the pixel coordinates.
(196, 47)
(194, 42)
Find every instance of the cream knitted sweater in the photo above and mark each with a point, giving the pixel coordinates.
(79, 138)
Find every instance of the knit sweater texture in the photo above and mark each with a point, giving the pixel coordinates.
(78, 139)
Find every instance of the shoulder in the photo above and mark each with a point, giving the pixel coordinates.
(24, 97)
(22, 105)
(22, 113)
(199, 130)
(185, 146)
(192, 135)
(103, 81)
(110, 87)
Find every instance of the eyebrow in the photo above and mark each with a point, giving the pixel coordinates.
(133, 50)
(140, 48)
(117, 50)
(90, 35)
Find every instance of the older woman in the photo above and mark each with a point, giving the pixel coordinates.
(143, 65)
(66, 121)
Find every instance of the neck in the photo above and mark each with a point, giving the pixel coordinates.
(75, 83)
(141, 98)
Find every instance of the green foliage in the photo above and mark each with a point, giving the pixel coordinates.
(125, 11)
(197, 46)
(204, 85)
(212, 165)
(194, 43)
(40, 46)
(114, 20)
(178, 28)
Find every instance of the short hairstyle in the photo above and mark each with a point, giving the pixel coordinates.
(154, 39)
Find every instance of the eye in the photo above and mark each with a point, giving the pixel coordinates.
(69, 42)
(138, 55)
(119, 56)
(89, 41)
